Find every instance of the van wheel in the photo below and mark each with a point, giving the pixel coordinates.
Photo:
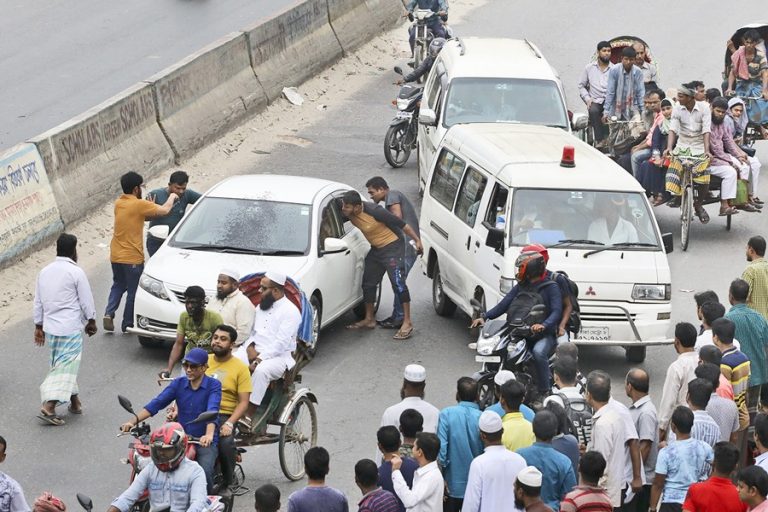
(443, 305)
(147, 342)
(635, 354)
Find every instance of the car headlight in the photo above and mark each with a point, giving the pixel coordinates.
(485, 346)
(140, 462)
(153, 287)
(506, 284)
(652, 292)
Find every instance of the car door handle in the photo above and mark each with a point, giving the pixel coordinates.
(437, 228)
(469, 239)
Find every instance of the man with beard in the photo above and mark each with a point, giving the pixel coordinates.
(592, 86)
(528, 491)
(272, 339)
(235, 393)
(126, 251)
(195, 329)
(235, 308)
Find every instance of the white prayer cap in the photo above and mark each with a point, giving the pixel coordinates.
(229, 272)
(503, 377)
(276, 277)
(490, 422)
(415, 373)
(529, 476)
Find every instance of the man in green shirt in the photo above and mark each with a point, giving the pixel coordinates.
(196, 327)
(756, 275)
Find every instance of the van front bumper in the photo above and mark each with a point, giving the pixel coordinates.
(624, 324)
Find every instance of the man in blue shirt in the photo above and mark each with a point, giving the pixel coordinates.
(626, 89)
(558, 474)
(389, 446)
(194, 394)
(177, 184)
(459, 431)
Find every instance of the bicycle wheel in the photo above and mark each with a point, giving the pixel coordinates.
(686, 215)
(298, 436)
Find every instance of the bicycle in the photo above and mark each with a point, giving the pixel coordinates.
(752, 132)
(621, 135)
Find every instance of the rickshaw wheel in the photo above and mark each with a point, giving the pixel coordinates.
(296, 437)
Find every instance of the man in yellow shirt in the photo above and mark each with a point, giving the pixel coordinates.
(518, 432)
(235, 381)
(127, 246)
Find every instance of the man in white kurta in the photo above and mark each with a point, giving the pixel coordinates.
(234, 307)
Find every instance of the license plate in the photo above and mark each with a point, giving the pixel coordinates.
(404, 115)
(488, 359)
(594, 333)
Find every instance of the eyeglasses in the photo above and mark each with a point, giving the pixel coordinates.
(190, 366)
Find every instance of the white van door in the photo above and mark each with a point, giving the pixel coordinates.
(489, 259)
(429, 137)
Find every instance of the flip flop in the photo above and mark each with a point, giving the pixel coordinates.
(72, 410)
(353, 327)
(403, 335)
(51, 419)
(728, 211)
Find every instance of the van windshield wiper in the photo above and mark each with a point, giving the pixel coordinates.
(621, 244)
(285, 252)
(572, 241)
(221, 248)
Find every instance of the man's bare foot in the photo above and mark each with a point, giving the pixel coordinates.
(362, 324)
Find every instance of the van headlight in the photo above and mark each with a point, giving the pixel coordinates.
(485, 346)
(153, 286)
(506, 284)
(652, 292)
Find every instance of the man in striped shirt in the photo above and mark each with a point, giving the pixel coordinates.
(588, 496)
(705, 428)
(375, 499)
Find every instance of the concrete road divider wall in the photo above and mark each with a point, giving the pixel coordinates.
(28, 211)
(86, 156)
(292, 46)
(356, 21)
(207, 94)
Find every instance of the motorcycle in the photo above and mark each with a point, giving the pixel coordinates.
(400, 139)
(423, 34)
(503, 345)
(139, 457)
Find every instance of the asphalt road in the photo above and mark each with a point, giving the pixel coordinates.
(61, 58)
(357, 375)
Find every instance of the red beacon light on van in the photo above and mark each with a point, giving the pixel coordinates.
(569, 159)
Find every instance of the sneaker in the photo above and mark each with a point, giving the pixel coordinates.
(109, 324)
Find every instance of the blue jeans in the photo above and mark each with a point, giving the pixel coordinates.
(638, 157)
(206, 457)
(125, 278)
(397, 306)
(434, 24)
(541, 351)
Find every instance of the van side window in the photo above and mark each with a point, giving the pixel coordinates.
(470, 193)
(497, 205)
(446, 178)
(433, 92)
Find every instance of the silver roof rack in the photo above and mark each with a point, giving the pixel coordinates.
(533, 48)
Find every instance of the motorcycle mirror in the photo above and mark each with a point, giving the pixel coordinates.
(85, 501)
(125, 404)
(205, 417)
(398, 70)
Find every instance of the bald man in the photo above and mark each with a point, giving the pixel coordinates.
(646, 422)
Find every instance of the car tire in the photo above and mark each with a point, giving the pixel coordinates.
(635, 354)
(443, 305)
(317, 317)
(147, 342)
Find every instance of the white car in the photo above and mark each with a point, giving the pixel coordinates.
(255, 223)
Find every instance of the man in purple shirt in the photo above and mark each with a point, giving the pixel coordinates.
(316, 496)
(728, 160)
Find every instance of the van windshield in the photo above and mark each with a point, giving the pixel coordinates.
(586, 218)
(504, 100)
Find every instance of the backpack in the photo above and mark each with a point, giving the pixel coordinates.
(580, 420)
(574, 322)
(528, 297)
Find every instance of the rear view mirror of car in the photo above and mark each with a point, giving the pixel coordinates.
(160, 231)
(580, 121)
(334, 246)
(495, 238)
(427, 116)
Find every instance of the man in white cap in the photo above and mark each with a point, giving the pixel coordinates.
(502, 377)
(488, 488)
(272, 340)
(235, 308)
(528, 491)
(412, 393)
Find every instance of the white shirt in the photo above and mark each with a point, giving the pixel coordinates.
(679, 374)
(630, 435)
(236, 310)
(427, 492)
(12, 495)
(488, 485)
(571, 393)
(623, 232)
(762, 461)
(274, 331)
(63, 299)
(430, 413)
(609, 437)
(705, 338)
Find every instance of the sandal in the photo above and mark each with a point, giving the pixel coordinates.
(403, 335)
(748, 208)
(702, 214)
(51, 419)
(72, 410)
(724, 212)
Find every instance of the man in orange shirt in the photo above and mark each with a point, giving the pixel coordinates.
(127, 246)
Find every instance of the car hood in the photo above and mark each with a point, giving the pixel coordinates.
(179, 268)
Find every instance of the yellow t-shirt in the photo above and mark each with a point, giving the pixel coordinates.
(518, 432)
(235, 378)
(128, 237)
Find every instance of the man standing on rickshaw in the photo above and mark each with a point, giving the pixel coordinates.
(749, 75)
(592, 86)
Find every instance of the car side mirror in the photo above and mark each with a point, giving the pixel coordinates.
(334, 246)
(667, 240)
(160, 231)
(495, 238)
(427, 116)
(579, 121)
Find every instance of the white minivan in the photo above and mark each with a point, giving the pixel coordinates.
(488, 80)
(494, 188)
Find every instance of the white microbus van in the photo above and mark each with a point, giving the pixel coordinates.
(494, 188)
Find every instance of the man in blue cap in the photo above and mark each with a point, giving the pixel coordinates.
(194, 393)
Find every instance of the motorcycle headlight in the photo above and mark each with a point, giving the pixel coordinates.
(140, 462)
(153, 287)
(485, 346)
(402, 103)
(652, 292)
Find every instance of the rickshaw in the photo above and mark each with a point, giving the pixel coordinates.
(752, 131)
(285, 406)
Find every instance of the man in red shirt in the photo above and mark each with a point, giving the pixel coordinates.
(588, 496)
(717, 494)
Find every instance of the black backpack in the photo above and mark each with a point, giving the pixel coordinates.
(527, 297)
(574, 322)
(580, 420)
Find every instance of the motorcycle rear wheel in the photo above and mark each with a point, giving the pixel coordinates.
(395, 151)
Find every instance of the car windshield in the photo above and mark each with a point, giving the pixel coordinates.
(505, 100)
(245, 225)
(587, 218)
